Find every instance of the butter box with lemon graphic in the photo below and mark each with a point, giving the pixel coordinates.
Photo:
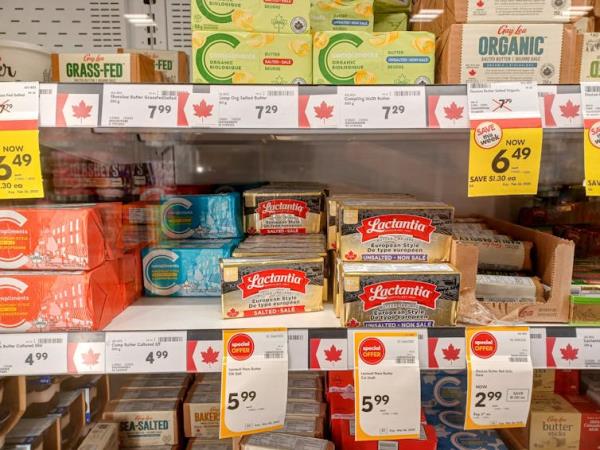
(251, 58)
(341, 15)
(271, 16)
(398, 57)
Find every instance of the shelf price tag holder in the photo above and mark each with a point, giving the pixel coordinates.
(499, 377)
(253, 381)
(387, 403)
(20, 166)
(590, 93)
(505, 145)
(33, 354)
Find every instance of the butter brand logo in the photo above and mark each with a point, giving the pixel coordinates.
(240, 347)
(294, 280)
(145, 425)
(270, 208)
(419, 292)
(511, 41)
(14, 287)
(394, 224)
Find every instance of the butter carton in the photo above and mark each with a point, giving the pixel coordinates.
(444, 389)
(348, 15)
(589, 55)
(169, 394)
(397, 57)
(390, 22)
(103, 436)
(173, 65)
(103, 68)
(210, 444)
(282, 441)
(251, 15)
(507, 52)
(391, 6)
(251, 58)
(201, 413)
(399, 295)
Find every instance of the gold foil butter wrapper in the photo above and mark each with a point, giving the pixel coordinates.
(399, 295)
(254, 287)
(404, 232)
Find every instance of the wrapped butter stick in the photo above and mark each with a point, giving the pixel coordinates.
(500, 288)
(282, 441)
(502, 253)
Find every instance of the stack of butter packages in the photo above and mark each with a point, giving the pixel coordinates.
(280, 268)
(196, 231)
(392, 261)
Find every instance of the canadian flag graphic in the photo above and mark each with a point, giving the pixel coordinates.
(446, 353)
(86, 357)
(561, 110)
(328, 354)
(204, 356)
(318, 111)
(77, 110)
(447, 111)
(564, 352)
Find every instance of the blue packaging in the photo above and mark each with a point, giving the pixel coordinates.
(185, 268)
(444, 389)
(217, 216)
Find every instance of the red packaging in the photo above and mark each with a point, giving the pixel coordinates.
(130, 275)
(53, 301)
(141, 213)
(590, 421)
(428, 440)
(566, 381)
(340, 381)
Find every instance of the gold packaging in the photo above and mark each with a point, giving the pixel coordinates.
(399, 295)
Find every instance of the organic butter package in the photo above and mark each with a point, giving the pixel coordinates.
(341, 15)
(397, 57)
(544, 53)
(391, 6)
(103, 68)
(251, 58)
(589, 67)
(288, 16)
(390, 22)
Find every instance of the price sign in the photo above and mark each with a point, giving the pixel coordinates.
(591, 138)
(382, 107)
(253, 381)
(33, 354)
(500, 377)
(386, 376)
(506, 139)
(146, 352)
(258, 106)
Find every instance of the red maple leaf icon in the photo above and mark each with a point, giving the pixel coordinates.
(352, 323)
(209, 356)
(251, 230)
(333, 354)
(203, 110)
(90, 358)
(569, 353)
(451, 353)
(351, 255)
(323, 111)
(233, 312)
(569, 110)
(82, 111)
(472, 72)
(480, 4)
(453, 111)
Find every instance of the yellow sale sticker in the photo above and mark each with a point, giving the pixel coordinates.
(20, 167)
(591, 151)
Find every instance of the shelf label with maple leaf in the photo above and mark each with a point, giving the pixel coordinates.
(204, 351)
(564, 348)
(318, 111)
(447, 111)
(86, 353)
(505, 148)
(33, 354)
(253, 381)
(591, 138)
(387, 378)
(560, 110)
(499, 376)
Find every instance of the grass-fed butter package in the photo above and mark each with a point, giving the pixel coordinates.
(251, 58)
(173, 65)
(397, 57)
(326, 15)
(390, 22)
(399, 295)
(270, 16)
(507, 52)
(589, 67)
(103, 68)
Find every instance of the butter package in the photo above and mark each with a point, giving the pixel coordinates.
(444, 389)
(304, 426)
(298, 409)
(185, 268)
(216, 216)
(391, 6)
(103, 68)
(395, 231)
(34, 434)
(255, 287)
(103, 436)
(235, 57)
(507, 288)
(348, 15)
(210, 444)
(589, 57)
(305, 395)
(507, 52)
(154, 382)
(251, 15)
(390, 22)
(354, 58)
(399, 295)
(169, 394)
(501, 253)
(173, 65)
(585, 309)
(282, 441)
(201, 413)
(145, 423)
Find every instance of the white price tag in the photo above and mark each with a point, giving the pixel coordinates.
(590, 93)
(511, 100)
(382, 107)
(142, 105)
(19, 105)
(258, 106)
(591, 343)
(146, 352)
(33, 354)
(253, 381)
(500, 377)
(387, 383)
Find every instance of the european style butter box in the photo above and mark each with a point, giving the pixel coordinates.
(353, 15)
(173, 65)
(353, 58)
(103, 68)
(251, 15)
(201, 413)
(235, 57)
(507, 52)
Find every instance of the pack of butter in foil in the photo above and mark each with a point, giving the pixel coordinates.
(274, 285)
(397, 231)
(399, 295)
(283, 210)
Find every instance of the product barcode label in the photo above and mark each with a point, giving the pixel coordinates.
(170, 339)
(518, 359)
(274, 355)
(295, 337)
(535, 335)
(168, 93)
(282, 93)
(590, 89)
(405, 360)
(49, 340)
(407, 93)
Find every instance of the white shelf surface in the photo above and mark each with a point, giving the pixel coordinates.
(196, 313)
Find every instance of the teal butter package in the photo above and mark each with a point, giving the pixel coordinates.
(217, 216)
(185, 268)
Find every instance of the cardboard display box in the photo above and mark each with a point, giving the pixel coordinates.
(173, 65)
(13, 398)
(37, 433)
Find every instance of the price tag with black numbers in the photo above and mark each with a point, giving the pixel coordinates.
(253, 381)
(146, 352)
(386, 377)
(382, 107)
(506, 139)
(33, 354)
(500, 377)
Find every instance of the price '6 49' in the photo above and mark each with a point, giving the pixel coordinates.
(19, 160)
(501, 163)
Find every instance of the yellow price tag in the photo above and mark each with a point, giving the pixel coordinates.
(591, 150)
(20, 168)
(504, 161)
